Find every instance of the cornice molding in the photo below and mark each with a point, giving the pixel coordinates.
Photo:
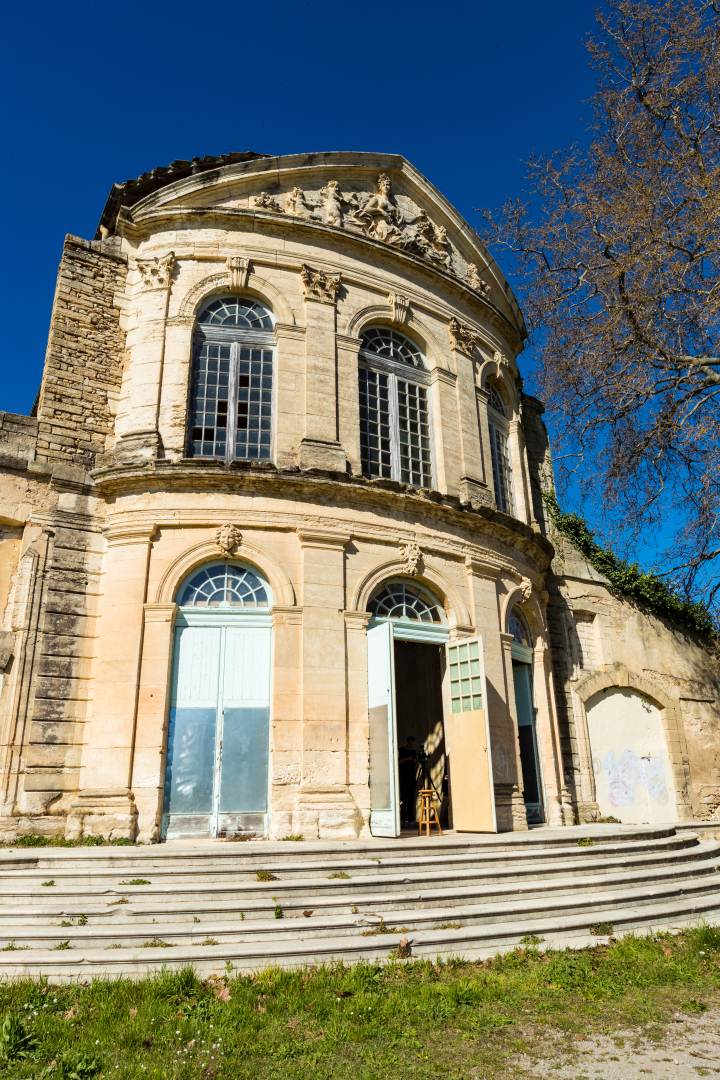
(173, 218)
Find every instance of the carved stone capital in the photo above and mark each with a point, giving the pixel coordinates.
(238, 270)
(156, 273)
(501, 359)
(319, 285)
(400, 306)
(228, 538)
(462, 337)
(412, 557)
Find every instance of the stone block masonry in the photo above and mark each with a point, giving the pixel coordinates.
(84, 355)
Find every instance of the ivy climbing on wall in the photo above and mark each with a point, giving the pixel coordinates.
(627, 578)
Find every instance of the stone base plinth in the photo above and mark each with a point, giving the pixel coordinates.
(108, 812)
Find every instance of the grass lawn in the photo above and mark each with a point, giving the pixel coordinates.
(405, 1019)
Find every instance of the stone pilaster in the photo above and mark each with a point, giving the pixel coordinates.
(105, 803)
(320, 447)
(446, 432)
(324, 805)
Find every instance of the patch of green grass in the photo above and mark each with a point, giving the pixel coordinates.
(210, 941)
(339, 874)
(293, 836)
(585, 841)
(63, 945)
(279, 913)
(418, 1019)
(531, 939)
(601, 929)
(134, 881)
(33, 840)
(48, 883)
(265, 875)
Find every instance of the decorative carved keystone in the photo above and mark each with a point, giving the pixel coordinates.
(227, 538)
(238, 270)
(319, 285)
(412, 557)
(156, 273)
(400, 306)
(501, 359)
(526, 588)
(462, 337)
(475, 281)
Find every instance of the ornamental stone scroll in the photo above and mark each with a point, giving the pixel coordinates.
(462, 337)
(238, 270)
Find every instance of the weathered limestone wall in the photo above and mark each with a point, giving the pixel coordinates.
(83, 363)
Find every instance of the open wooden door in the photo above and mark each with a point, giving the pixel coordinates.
(384, 795)
(467, 732)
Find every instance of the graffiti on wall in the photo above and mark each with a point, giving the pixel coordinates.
(630, 771)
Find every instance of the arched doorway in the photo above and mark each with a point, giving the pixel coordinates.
(406, 663)
(216, 771)
(522, 654)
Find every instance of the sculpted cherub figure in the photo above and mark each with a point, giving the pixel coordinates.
(295, 203)
(379, 217)
(331, 203)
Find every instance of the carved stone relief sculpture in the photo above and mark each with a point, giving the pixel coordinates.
(412, 557)
(400, 306)
(475, 281)
(228, 538)
(156, 273)
(376, 215)
(319, 285)
(238, 270)
(501, 359)
(462, 337)
(263, 201)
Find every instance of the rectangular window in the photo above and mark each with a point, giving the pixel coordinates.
(502, 472)
(232, 402)
(394, 428)
(465, 677)
(375, 424)
(414, 434)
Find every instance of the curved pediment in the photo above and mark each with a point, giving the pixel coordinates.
(376, 197)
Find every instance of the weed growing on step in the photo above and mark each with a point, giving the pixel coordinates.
(585, 841)
(33, 840)
(279, 913)
(601, 929)
(293, 836)
(136, 881)
(418, 1019)
(265, 875)
(339, 874)
(47, 884)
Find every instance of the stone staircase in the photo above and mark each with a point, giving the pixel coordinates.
(74, 912)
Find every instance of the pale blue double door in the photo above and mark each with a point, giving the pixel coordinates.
(216, 774)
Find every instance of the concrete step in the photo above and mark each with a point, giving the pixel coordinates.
(411, 912)
(253, 855)
(522, 862)
(470, 941)
(173, 904)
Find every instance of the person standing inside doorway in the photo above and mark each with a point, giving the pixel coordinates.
(407, 768)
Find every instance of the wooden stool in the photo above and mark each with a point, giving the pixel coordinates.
(427, 810)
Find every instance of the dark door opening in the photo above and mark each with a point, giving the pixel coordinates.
(419, 712)
(528, 743)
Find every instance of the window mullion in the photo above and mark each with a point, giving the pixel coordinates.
(233, 401)
(394, 427)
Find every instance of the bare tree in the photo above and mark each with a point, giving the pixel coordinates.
(617, 258)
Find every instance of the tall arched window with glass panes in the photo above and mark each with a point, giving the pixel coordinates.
(394, 408)
(500, 451)
(232, 386)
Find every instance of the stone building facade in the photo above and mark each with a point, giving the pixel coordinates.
(278, 506)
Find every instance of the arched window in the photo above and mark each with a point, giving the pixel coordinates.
(500, 451)
(401, 600)
(224, 585)
(231, 409)
(518, 627)
(394, 415)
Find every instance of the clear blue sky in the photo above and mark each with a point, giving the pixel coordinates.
(96, 93)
